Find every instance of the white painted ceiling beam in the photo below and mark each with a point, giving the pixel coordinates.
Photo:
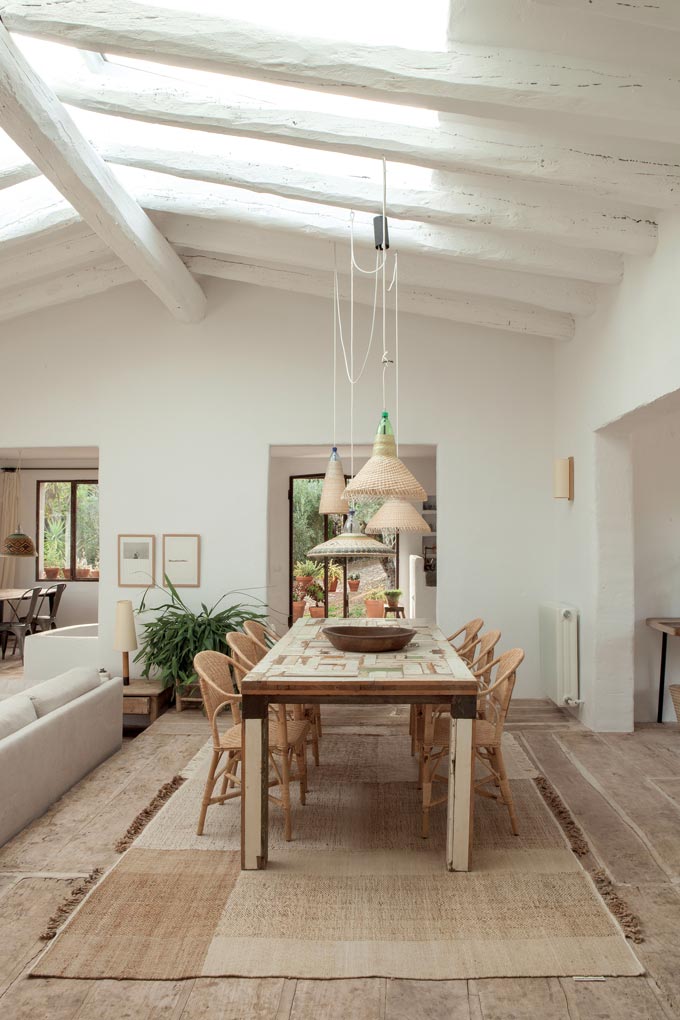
(451, 205)
(664, 14)
(17, 173)
(584, 169)
(68, 287)
(465, 308)
(537, 88)
(35, 119)
(40, 260)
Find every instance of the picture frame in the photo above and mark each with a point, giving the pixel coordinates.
(136, 561)
(182, 560)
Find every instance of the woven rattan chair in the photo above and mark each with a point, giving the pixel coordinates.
(287, 740)
(19, 623)
(249, 651)
(468, 634)
(492, 708)
(265, 636)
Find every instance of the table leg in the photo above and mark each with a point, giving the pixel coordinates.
(662, 677)
(255, 789)
(459, 807)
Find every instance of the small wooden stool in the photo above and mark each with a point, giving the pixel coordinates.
(397, 610)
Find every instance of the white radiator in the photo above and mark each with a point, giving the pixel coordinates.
(558, 631)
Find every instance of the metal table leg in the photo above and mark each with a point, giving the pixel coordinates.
(662, 677)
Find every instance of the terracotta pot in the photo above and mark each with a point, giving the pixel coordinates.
(317, 611)
(94, 574)
(298, 610)
(353, 585)
(82, 572)
(51, 573)
(375, 608)
(333, 585)
(67, 573)
(393, 603)
(304, 582)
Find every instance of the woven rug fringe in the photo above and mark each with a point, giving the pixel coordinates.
(144, 817)
(629, 921)
(63, 912)
(573, 832)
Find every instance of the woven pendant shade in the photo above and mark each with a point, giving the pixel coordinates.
(385, 475)
(397, 515)
(352, 542)
(18, 544)
(332, 499)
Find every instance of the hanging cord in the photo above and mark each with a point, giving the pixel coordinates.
(335, 347)
(348, 370)
(395, 284)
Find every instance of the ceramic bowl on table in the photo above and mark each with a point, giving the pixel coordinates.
(369, 639)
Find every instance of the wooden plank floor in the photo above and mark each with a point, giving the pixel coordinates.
(623, 790)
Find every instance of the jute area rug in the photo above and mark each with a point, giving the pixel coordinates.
(357, 893)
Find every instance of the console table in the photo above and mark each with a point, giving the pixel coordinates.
(146, 698)
(667, 625)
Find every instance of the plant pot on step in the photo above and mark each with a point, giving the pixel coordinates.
(353, 585)
(298, 610)
(304, 582)
(375, 608)
(333, 585)
(317, 611)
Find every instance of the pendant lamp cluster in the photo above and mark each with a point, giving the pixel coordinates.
(384, 475)
(18, 543)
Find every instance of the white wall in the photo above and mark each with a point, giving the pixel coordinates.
(184, 417)
(626, 356)
(656, 489)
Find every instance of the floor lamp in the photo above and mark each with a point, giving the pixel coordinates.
(126, 635)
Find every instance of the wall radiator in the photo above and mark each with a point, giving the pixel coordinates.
(558, 632)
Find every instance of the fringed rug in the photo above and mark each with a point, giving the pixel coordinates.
(357, 893)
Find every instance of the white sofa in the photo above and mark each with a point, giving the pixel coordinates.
(52, 735)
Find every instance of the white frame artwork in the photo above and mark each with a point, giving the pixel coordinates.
(136, 561)
(182, 560)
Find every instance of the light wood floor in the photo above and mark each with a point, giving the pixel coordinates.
(624, 791)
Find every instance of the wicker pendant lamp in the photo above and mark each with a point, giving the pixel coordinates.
(351, 542)
(332, 498)
(397, 515)
(384, 474)
(18, 543)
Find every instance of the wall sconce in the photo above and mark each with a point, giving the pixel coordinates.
(563, 478)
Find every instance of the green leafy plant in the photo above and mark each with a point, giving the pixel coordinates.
(334, 571)
(392, 593)
(375, 595)
(315, 592)
(54, 542)
(307, 568)
(354, 577)
(176, 634)
(299, 593)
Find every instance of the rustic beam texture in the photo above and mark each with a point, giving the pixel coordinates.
(533, 87)
(662, 14)
(465, 308)
(586, 169)
(489, 208)
(474, 247)
(35, 119)
(29, 225)
(43, 260)
(17, 173)
(68, 287)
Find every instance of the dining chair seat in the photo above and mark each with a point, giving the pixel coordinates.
(485, 732)
(230, 739)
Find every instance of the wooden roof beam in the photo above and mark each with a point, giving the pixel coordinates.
(35, 119)
(537, 88)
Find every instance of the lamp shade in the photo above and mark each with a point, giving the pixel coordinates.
(125, 639)
(384, 474)
(18, 544)
(351, 542)
(332, 499)
(397, 515)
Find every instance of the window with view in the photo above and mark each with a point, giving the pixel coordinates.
(68, 530)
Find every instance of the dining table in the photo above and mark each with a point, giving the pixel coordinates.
(16, 594)
(304, 668)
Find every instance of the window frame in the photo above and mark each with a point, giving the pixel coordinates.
(74, 483)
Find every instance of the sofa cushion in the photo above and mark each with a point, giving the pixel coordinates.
(52, 694)
(15, 713)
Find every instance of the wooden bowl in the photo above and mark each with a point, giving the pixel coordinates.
(369, 639)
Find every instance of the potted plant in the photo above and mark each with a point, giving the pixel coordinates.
(375, 603)
(315, 592)
(353, 582)
(306, 571)
(66, 572)
(334, 575)
(298, 602)
(95, 571)
(51, 573)
(393, 595)
(177, 633)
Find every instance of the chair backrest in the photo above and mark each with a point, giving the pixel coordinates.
(217, 686)
(22, 614)
(484, 652)
(469, 632)
(54, 592)
(245, 649)
(494, 701)
(263, 636)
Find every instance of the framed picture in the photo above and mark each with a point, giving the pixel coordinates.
(136, 561)
(182, 560)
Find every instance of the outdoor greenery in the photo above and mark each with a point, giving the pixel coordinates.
(392, 593)
(375, 595)
(334, 571)
(307, 521)
(307, 568)
(56, 523)
(315, 592)
(176, 634)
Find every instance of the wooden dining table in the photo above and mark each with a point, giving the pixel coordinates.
(304, 668)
